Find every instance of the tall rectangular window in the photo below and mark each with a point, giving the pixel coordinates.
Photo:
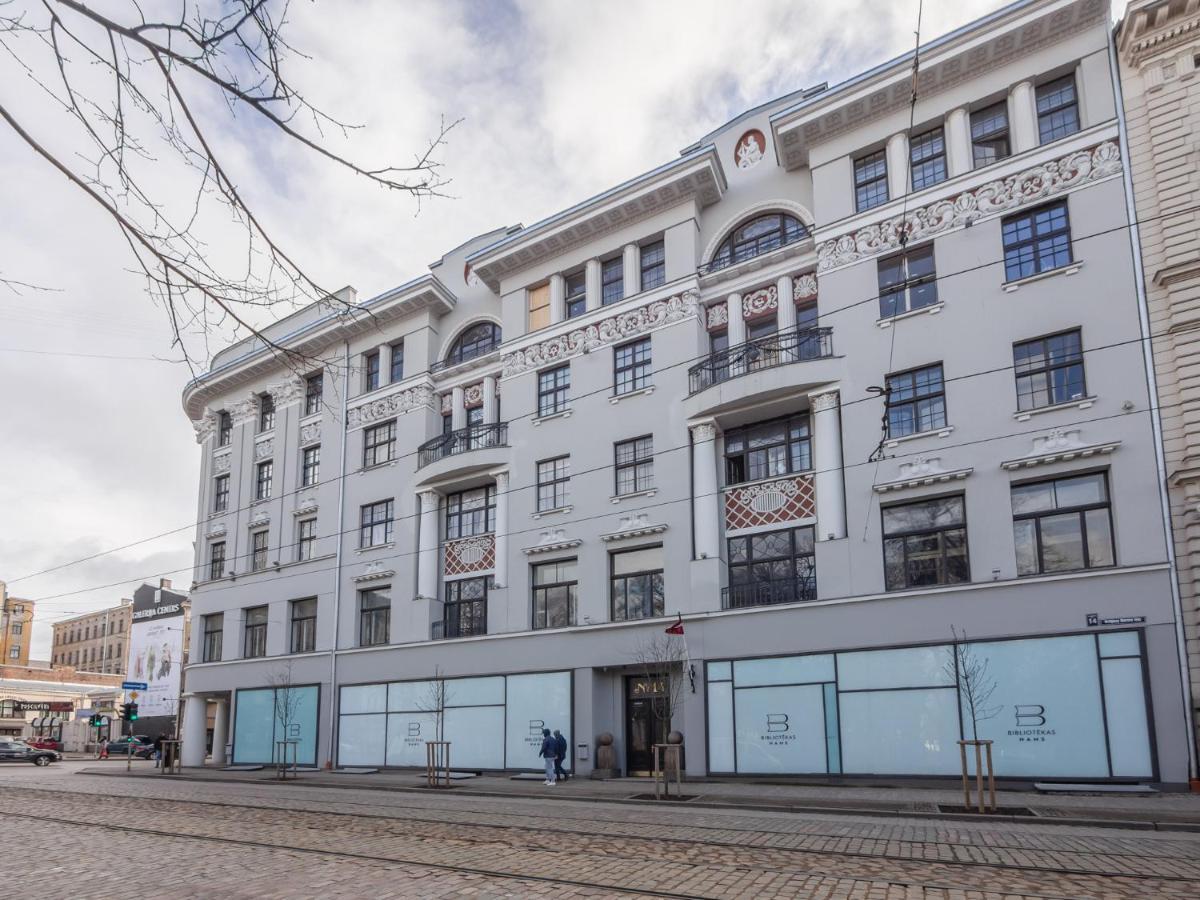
(374, 616)
(258, 549)
(214, 627)
(925, 543)
(1036, 241)
(1063, 524)
(907, 281)
(612, 280)
(221, 493)
(1057, 109)
(772, 567)
(1049, 370)
(465, 610)
(264, 475)
(631, 366)
(266, 412)
(304, 625)
(397, 373)
(576, 291)
(375, 528)
(471, 513)
(310, 466)
(554, 385)
(916, 401)
(768, 449)
(989, 134)
(634, 465)
(379, 443)
(870, 180)
(553, 483)
(314, 389)
(306, 539)
(927, 153)
(371, 370)
(636, 583)
(555, 593)
(255, 644)
(539, 307)
(224, 428)
(654, 265)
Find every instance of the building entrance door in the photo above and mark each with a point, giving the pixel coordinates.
(645, 721)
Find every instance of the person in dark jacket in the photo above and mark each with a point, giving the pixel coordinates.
(158, 745)
(549, 748)
(560, 753)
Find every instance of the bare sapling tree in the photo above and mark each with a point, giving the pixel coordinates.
(157, 100)
(663, 658)
(286, 704)
(433, 701)
(969, 671)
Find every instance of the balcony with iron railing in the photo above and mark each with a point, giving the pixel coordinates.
(478, 352)
(463, 440)
(778, 349)
(795, 589)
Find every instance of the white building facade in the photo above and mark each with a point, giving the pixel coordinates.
(830, 387)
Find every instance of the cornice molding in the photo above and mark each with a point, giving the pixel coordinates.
(391, 405)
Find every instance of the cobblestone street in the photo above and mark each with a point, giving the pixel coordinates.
(213, 839)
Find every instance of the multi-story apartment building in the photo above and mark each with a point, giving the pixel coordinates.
(664, 403)
(16, 628)
(94, 642)
(1159, 46)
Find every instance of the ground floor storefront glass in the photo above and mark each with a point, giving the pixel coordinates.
(265, 716)
(491, 722)
(1072, 706)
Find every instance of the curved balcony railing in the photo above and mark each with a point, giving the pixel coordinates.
(458, 359)
(765, 593)
(473, 437)
(778, 349)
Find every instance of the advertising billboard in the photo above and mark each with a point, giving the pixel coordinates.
(156, 649)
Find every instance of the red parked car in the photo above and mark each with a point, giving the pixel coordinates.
(44, 743)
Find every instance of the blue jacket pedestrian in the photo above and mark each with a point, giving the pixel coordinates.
(549, 747)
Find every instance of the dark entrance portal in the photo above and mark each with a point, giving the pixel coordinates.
(646, 723)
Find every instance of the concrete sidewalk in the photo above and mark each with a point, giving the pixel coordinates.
(1167, 811)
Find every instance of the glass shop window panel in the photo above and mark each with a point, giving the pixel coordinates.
(363, 698)
(781, 730)
(906, 667)
(475, 691)
(253, 726)
(302, 725)
(720, 726)
(1125, 705)
(1120, 643)
(408, 696)
(476, 736)
(899, 732)
(361, 740)
(537, 701)
(783, 670)
(720, 671)
(407, 733)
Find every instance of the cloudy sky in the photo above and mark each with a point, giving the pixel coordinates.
(558, 101)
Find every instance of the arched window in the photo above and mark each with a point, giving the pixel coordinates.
(475, 341)
(760, 235)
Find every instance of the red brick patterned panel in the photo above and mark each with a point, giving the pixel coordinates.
(770, 502)
(472, 554)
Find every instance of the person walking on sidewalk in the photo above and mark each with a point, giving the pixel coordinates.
(560, 753)
(158, 745)
(549, 748)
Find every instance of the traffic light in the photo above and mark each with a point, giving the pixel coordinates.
(97, 720)
(131, 709)
(124, 711)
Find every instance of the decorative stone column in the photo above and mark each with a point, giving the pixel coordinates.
(737, 320)
(705, 497)
(195, 727)
(631, 270)
(558, 298)
(385, 364)
(427, 546)
(591, 283)
(897, 165)
(220, 732)
(490, 410)
(1022, 110)
(501, 570)
(827, 460)
(787, 303)
(458, 409)
(958, 142)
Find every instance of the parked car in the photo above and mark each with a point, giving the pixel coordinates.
(19, 751)
(44, 743)
(142, 749)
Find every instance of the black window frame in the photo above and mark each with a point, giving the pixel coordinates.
(871, 180)
(1079, 510)
(653, 263)
(376, 520)
(260, 548)
(1057, 117)
(376, 437)
(899, 288)
(906, 539)
(303, 638)
(471, 611)
(396, 372)
(556, 480)
(930, 168)
(264, 479)
(737, 247)
(266, 413)
(456, 515)
(575, 294)
(556, 592)
(479, 339)
(214, 638)
(224, 428)
(790, 577)
(306, 539)
(639, 460)
(916, 398)
(221, 493)
(375, 620)
(310, 465)
(653, 586)
(254, 634)
(990, 141)
(554, 387)
(612, 280)
(1048, 365)
(1023, 236)
(740, 460)
(314, 390)
(632, 363)
(371, 371)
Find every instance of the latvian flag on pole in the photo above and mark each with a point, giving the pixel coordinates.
(677, 626)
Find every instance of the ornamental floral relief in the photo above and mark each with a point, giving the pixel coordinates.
(473, 396)
(310, 433)
(285, 392)
(447, 404)
(221, 463)
(205, 426)
(1030, 186)
(391, 405)
(473, 554)
(770, 502)
(760, 302)
(264, 449)
(804, 287)
(718, 315)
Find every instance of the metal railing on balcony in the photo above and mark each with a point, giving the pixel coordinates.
(473, 437)
(468, 622)
(760, 246)
(458, 359)
(778, 349)
(765, 593)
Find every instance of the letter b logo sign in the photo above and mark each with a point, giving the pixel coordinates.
(1030, 715)
(414, 729)
(536, 726)
(777, 723)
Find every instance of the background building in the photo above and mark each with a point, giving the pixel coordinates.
(514, 471)
(158, 648)
(94, 642)
(16, 628)
(55, 702)
(1159, 46)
